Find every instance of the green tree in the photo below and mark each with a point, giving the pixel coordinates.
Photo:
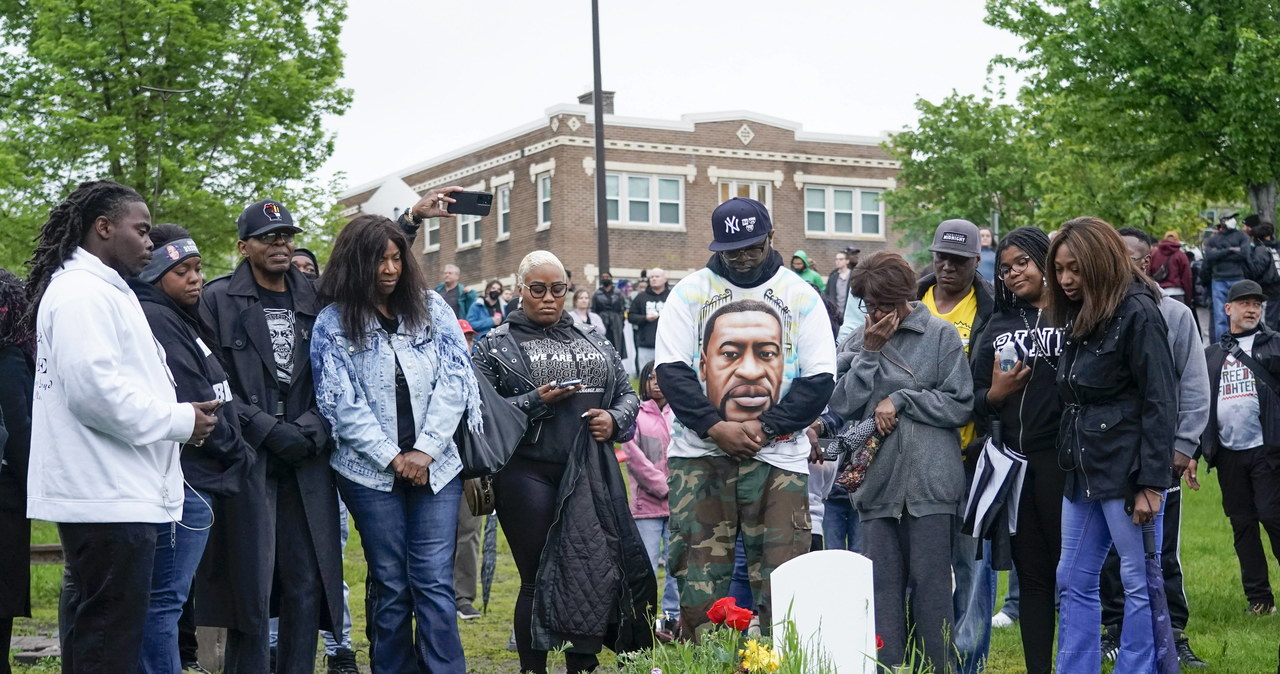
(967, 157)
(203, 106)
(1183, 90)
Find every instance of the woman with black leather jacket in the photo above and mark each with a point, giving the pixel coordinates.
(1117, 382)
(561, 499)
(1025, 399)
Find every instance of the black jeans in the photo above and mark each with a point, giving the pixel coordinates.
(913, 555)
(525, 495)
(106, 588)
(1112, 590)
(1250, 481)
(1036, 548)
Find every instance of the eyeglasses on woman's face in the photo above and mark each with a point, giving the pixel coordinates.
(1019, 265)
(876, 308)
(539, 290)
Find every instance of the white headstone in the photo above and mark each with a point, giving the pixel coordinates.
(827, 597)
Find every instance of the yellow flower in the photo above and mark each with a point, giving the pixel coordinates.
(757, 657)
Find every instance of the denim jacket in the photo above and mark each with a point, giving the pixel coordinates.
(356, 392)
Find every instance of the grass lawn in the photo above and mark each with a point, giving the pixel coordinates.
(1220, 631)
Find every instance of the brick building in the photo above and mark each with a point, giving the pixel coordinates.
(664, 178)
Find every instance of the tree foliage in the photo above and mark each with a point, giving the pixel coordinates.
(967, 157)
(1187, 90)
(78, 82)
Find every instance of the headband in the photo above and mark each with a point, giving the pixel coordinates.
(167, 258)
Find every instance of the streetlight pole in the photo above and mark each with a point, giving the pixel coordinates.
(597, 99)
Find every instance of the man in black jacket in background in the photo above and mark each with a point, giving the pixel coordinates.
(1226, 256)
(645, 308)
(1242, 439)
(610, 304)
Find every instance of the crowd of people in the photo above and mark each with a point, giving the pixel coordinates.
(200, 446)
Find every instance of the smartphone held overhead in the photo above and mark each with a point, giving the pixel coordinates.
(470, 203)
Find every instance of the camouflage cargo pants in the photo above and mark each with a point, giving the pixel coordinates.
(712, 499)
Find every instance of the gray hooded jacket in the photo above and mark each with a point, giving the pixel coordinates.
(923, 370)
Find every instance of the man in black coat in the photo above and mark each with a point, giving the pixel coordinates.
(610, 305)
(1226, 258)
(286, 516)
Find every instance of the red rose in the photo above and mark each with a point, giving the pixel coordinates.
(879, 642)
(727, 612)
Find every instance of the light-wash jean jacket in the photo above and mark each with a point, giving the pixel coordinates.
(356, 392)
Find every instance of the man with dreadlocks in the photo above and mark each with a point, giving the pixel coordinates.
(105, 422)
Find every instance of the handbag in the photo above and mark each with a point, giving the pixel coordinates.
(856, 448)
(486, 451)
(478, 491)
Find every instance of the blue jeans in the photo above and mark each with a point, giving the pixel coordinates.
(974, 601)
(840, 525)
(1221, 326)
(179, 548)
(1013, 597)
(408, 536)
(740, 585)
(1088, 531)
(657, 541)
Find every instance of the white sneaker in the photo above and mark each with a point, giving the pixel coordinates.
(1001, 619)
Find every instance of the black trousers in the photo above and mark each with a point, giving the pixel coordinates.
(525, 494)
(1250, 481)
(106, 589)
(1036, 549)
(1112, 591)
(297, 587)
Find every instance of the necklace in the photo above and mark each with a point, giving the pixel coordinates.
(1041, 348)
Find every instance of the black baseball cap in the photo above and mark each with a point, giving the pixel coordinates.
(265, 216)
(1246, 288)
(738, 223)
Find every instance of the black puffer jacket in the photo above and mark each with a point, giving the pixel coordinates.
(1119, 389)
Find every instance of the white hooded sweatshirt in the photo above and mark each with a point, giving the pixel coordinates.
(105, 419)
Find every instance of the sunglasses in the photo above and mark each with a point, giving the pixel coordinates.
(274, 237)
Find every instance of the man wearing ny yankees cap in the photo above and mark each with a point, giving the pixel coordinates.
(746, 359)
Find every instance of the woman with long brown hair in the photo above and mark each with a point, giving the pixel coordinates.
(1116, 379)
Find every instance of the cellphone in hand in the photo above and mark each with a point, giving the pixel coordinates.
(568, 382)
(470, 203)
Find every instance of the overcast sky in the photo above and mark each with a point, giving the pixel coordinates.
(430, 77)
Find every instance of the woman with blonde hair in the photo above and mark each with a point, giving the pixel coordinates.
(1117, 382)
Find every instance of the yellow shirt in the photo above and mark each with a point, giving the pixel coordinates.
(963, 316)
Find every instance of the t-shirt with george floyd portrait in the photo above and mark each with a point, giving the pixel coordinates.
(1239, 416)
(746, 345)
(277, 307)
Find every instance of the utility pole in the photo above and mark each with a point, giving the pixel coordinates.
(597, 100)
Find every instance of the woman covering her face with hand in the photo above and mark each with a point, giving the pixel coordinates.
(561, 499)
(1116, 378)
(393, 377)
(907, 369)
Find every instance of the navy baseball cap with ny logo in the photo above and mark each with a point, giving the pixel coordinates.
(738, 223)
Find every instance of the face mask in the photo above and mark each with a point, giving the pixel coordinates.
(495, 294)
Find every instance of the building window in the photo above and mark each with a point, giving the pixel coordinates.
(544, 201)
(839, 210)
(644, 200)
(468, 231)
(760, 191)
(431, 228)
(504, 213)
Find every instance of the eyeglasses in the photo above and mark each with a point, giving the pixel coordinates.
(869, 309)
(274, 237)
(1019, 265)
(749, 253)
(539, 290)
